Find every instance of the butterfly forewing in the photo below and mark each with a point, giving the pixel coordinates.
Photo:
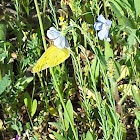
(52, 57)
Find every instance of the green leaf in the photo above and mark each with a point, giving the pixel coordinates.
(116, 8)
(68, 116)
(69, 108)
(123, 131)
(137, 115)
(136, 95)
(2, 31)
(95, 68)
(126, 21)
(124, 73)
(34, 138)
(88, 16)
(22, 83)
(137, 59)
(3, 56)
(131, 37)
(66, 121)
(89, 136)
(18, 127)
(34, 107)
(125, 89)
(4, 83)
(118, 69)
(137, 7)
(53, 111)
(58, 136)
(57, 124)
(15, 127)
(108, 51)
(28, 101)
(25, 4)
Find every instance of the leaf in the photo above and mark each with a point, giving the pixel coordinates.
(18, 127)
(137, 60)
(34, 138)
(125, 88)
(137, 7)
(58, 136)
(130, 89)
(90, 94)
(124, 73)
(3, 55)
(1, 125)
(69, 108)
(137, 114)
(69, 114)
(27, 101)
(123, 131)
(118, 68)
(116, 8)
(95, 68)
(52, 137)
(25, 4)
(108, 51)
(15, 127)
(136, 94)
(53, 111)
(22, 83)
(66, 121)
(2, 31)
(131, 37)
(88, 17)
(57, 124)
(4, 83)
(126, 3)
(34, 107)
(89, 136)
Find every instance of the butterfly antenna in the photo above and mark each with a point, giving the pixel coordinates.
(50, 41)
(47, 39)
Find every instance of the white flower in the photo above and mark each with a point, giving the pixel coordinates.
(103, 25)
(58, 39)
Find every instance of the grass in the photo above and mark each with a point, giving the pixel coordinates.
(94, 94)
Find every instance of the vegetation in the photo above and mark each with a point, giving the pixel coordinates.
(94, 94)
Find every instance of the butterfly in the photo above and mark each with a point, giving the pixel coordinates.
(57, 53)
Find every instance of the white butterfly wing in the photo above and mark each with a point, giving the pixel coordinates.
(61, 42)
(52, 33)
(58, 40)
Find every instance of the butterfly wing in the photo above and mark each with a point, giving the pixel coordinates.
(52, 57)
(52, 33)
(58, 56)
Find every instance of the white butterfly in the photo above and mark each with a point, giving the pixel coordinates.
(57, 38)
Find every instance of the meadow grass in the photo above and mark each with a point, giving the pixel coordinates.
(94, 94)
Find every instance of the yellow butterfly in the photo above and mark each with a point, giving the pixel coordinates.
(55, 54)
(52, 57)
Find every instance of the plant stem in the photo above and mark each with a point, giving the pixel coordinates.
(0, 75)
(63, 104)
(44, 6)
(45, 47)
(54, 15)
(41, 25)
(44, 92)
(51, 70)
(104, 1)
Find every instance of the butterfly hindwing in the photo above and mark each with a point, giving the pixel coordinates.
(52, 57)
(59, 56)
